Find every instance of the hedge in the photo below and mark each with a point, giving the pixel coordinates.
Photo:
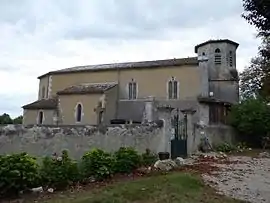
(20, 172)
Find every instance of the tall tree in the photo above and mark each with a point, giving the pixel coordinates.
(257, 13)
(5, 119)
(18, 120)
(265, 56)
(255, 79)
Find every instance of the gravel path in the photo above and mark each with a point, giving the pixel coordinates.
(248, 180)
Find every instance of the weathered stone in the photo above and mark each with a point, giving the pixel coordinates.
(45, 140)
(50, 190)
(37, 190)
(264, 155)
(165, 165)
(179, 161)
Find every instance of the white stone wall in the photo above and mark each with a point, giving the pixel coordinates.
(40, 141)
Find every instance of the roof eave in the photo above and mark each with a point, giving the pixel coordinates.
(38, 108)
(215, 41)
(79, 93)
(208, 100)
(35, 105)
(44, 75)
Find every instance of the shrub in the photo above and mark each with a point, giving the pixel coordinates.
(242, 146)
(59, 171)
(127, 159)
(148, 158)
(226, 147)
(18, 172)
(97, 164)
(251, 119)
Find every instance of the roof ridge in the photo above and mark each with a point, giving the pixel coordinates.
(156, 60)
(97, 83)
(126, 65)
(87, 88)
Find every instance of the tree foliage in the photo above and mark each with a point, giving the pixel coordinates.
(6, 119)
(255, 79)
(257, 13)
(251, 118)
(18, 120)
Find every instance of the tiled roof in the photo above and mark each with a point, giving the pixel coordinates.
(42, 104)
(216, 41)
(126, 65)
(87, 88)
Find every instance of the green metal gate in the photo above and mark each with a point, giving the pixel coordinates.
(179, 142)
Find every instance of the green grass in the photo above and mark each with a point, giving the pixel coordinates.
(171, 188)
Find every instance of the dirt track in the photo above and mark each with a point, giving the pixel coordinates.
(243, 178)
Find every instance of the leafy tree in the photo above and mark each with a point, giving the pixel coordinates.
(251, 118)
(18, 120)
(257, 13)
(255, 79)
(265, 56)
(5, 119)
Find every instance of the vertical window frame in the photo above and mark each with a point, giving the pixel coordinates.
(78, 113)
(40, 118)
(173, 89)
(132, 90)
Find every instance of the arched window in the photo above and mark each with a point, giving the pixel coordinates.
(79, 113)
(217, 50)
(132, 90)
(43, 92)
(217, 56)
(231, 59)
(173, 88)
(40, 117)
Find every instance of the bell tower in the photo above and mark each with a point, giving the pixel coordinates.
(221, 68)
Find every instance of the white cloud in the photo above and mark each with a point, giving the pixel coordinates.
(38, 36)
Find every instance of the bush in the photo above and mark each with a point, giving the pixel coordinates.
(251, 119)
(226, 147)
(127, 159)
(18, 172)
(242, 146)
(148, 158)
(97, 164)
(59, 171)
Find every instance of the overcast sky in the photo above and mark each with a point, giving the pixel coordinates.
(37, 36)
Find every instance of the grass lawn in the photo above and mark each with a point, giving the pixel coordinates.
(170, 188)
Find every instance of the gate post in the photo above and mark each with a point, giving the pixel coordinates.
(164, 113)
(190, 135)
